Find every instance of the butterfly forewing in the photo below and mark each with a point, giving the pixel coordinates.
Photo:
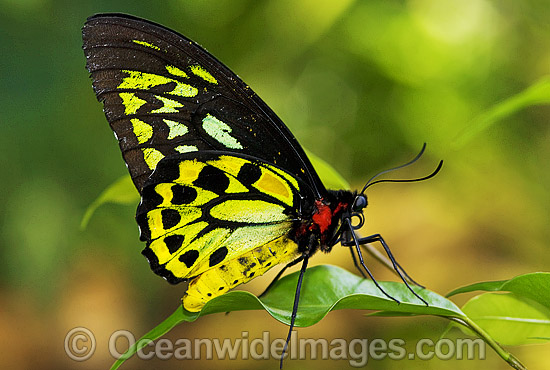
(164, 95)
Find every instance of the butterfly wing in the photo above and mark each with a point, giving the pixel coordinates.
(164, 95)
(203, 210)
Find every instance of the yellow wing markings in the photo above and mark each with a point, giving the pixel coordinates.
(193, 231)
(152, 157)
(272, 184)
(158, 228)
(220, 131)
(204, 244)
(168, 105)
(237, 242)
(289, 178)
(142, 130)
(176, 128)
(229, 164)
(131, 102)
(272, 181)
(189, 171)
(248, 211)
(218, 280)
(235, 186)
(176, 71)
(186, 148)
(161, 249)
(166, 191)
(199, 71)
(147, 44)
(144, 81)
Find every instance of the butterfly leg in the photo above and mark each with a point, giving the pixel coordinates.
(400, 271)
(360, 255)
(355, 262)
(290, 264)
(407, 275)
(295, 306)
(339, 237)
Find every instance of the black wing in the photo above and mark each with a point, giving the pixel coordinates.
(164, 95)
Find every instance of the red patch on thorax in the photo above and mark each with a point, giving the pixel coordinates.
(339, 207)
(323, 216)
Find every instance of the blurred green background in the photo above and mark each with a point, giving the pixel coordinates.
(361, 83)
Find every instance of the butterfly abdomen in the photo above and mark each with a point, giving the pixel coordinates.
(219, 280)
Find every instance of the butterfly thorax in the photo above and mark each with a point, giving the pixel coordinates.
(321, 220)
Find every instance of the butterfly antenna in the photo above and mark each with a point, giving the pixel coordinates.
(371, 180)
(409, 180)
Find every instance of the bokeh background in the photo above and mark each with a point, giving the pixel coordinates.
(361, 83)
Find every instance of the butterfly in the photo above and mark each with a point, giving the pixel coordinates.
(227, 192)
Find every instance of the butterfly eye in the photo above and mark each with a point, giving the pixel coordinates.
(359, 203)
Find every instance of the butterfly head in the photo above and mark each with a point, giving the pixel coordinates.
(359, 203)
(355, 212)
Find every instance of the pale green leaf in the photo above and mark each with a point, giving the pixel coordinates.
(535, 286)
(122, 191)
(328, 175)
(510, 319)
(536, 94)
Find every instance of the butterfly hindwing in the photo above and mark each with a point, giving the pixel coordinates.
(208, 209)
(164, 95)
(256, 262)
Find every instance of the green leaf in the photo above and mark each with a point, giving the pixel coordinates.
(328, 288)
(535, 286)
(536, 94)
(325, 288)
(510, 319)
(122, 191)
(328, 175)
(489, 286)
(519, 317)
